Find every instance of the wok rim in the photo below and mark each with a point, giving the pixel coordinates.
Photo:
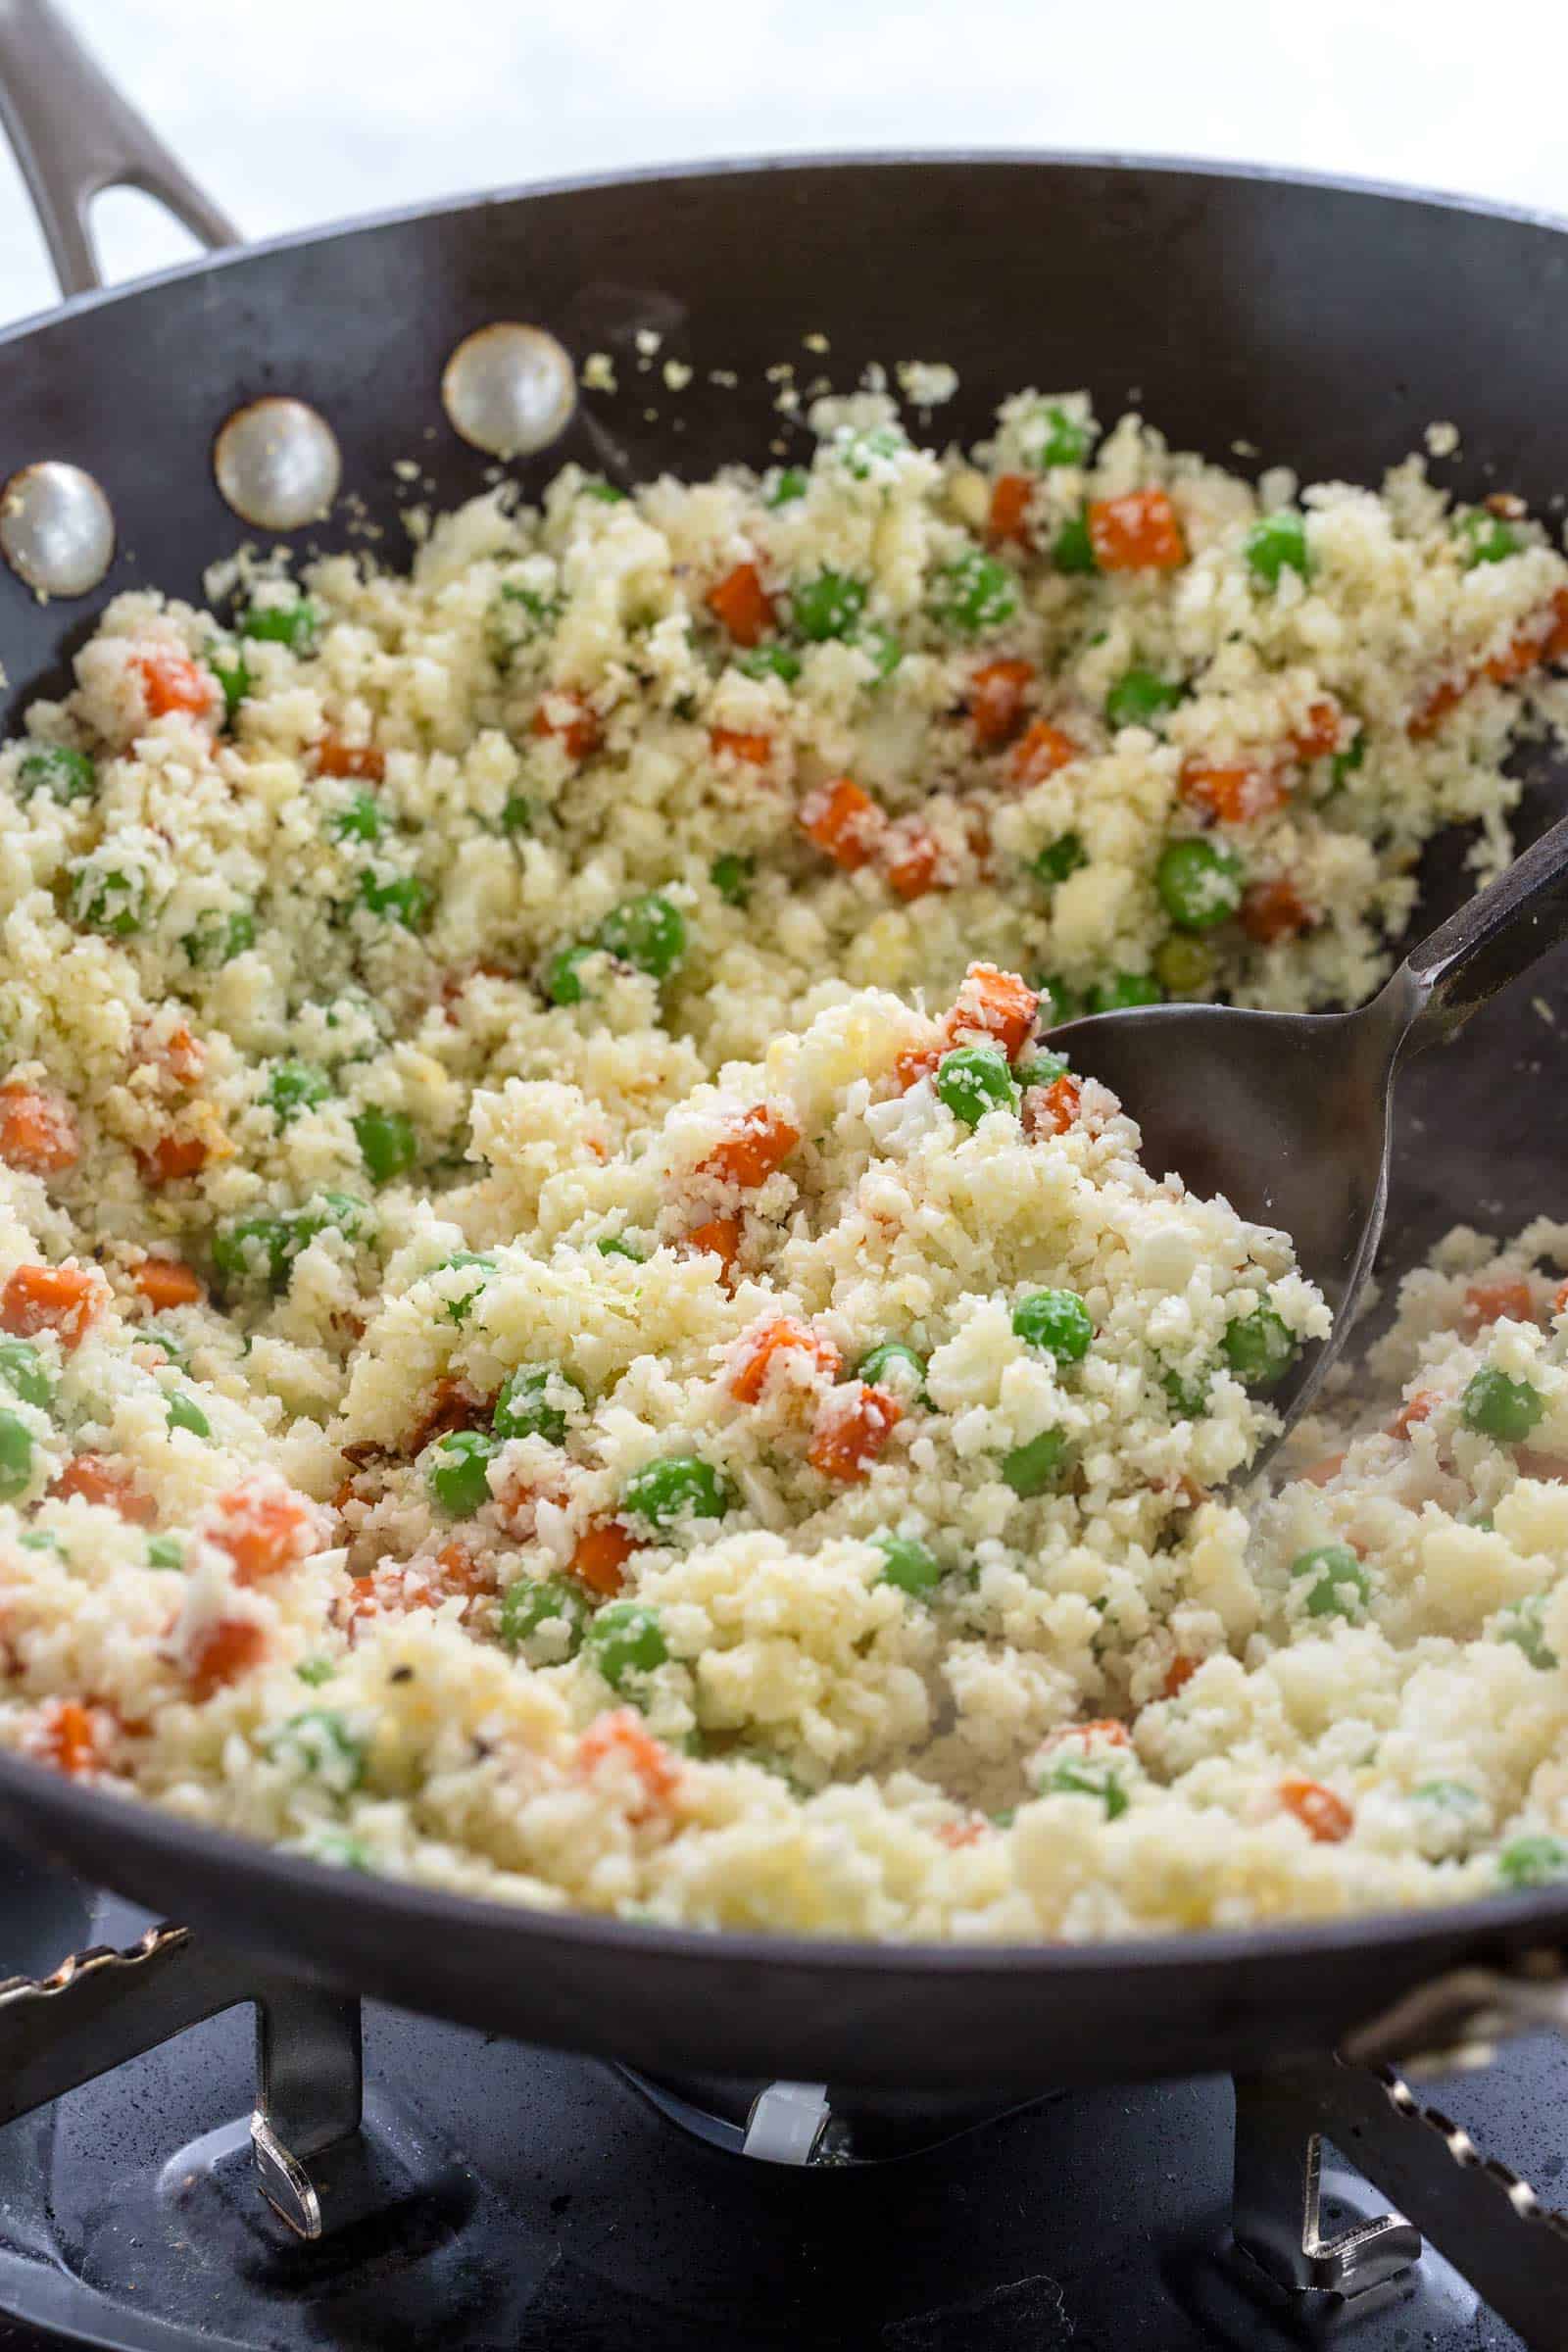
(1497, 1921)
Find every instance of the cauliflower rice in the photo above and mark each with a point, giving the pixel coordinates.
(566, 1333)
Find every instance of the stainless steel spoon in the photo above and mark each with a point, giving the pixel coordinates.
(1290, 1114)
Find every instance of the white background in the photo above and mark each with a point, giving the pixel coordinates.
(293, 112)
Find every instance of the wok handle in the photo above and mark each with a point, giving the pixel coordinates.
(75, 135)
(1492, 940)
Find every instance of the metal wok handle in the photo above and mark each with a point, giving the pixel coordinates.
(75, 135)
(1493, 939)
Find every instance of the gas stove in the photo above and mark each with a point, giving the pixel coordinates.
(501, 2196)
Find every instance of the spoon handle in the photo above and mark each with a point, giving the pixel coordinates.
(1493, 938)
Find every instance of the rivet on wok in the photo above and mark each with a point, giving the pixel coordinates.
(509, 389)
(57, 530)
(277, 465)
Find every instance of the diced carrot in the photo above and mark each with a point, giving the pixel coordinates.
(366, 761)
(601, 1552)
(1136, 532)
(1542, 639)
(460, 1572)
(729, 743)
(361, 1601)
(571, 720)
(172, 1158)
(171, 681)
(913, 860)
(1011, 497)
(1430, 715)
(166, 1282)
(1487, 1303)
(917, 1061)
(996, 700)
(624, 1737)
(1104, 1727)
(1322, 1473)
(37, 1132)
(1320, 731)
(852, 1426)
(1416, 1409)
(742, 604)
(64, 1300)
(999, 1005)
(759, 1141)
(1272, 911)
(69, 1737)
(221, 1653)
(958, 1833)
(1559, 1302)
(93, 1479)
(1038, 754)
(1233, 792)
(1052, 1110)
(183, 1054)
(1325, 1816)
(264, 1532)
(451, 1404)
(755, 1349)
(1178, 1674)
(719, 1238)
(844, 822)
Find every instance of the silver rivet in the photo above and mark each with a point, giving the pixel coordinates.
(277, 465)
(510, 389)
(56, 529)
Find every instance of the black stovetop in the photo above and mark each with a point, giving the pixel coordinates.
(559, 2211)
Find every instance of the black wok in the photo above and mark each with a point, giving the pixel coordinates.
(1321, 324)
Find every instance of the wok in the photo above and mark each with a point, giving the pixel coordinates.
(1320, 323)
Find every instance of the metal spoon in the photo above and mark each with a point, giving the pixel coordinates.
(1290, 1115)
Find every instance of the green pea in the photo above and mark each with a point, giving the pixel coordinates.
(532, 1602)
(295, 1086)
(1533, 1861)
(769, 662)
(615, 1245)
(316, 1671)
(647, 932)
(1338, 1586)
(388, 1143)
(406, 900)
(1060, 858)
(455, 1471)
(1055, 1320)
(1141, 698)
(1522, 1626)
(1276, 543)
(516, 817)
(909, 1565)
(731, 877)
(789, 484)
(165, 1552)
(974, 594)
(219, 938)
(66, 775)
(361, 818)
(108, 900)
(882, 650)
(1074, 1775)
(1198, 884)
(1187, 1393)
(253, 1250)
(1453, 1795)
(233, 675)
(22, 1369)
(457, 1310)
(972, 1080)
(1043, 1069)
(1344, 764)
(186, 1413)
(1495, 1406)
(859, 454)
(1484, 539)
(1184, 965)
(338, 1850)
(292, 625)
(564, 983)
(625, 1639)
(1073, 550)
(1123, 991)
(828, 605)
(677, 1487)
(169, 1345)
(322, 1743)
(1065, 441)
(1035, 1467)
(528, 1405)
(607, 494)
(16, 1456)
(38, 1539)
(1260, 1348)
(894, 1364)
